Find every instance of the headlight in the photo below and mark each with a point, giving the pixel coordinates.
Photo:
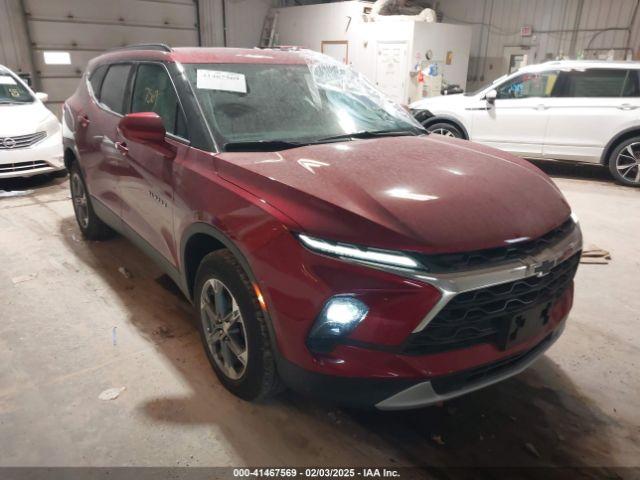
(339, 316)
(369, 255)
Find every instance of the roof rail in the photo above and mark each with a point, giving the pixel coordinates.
(145, 46)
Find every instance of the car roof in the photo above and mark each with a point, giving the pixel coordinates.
(580, 64)
(203, 55)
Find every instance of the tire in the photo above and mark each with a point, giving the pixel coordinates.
(90, 225)
(445, 129)
(223, 286)
(624, 162)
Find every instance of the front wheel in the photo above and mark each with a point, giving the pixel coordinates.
(624, 162)
(445, 129)
(233, 328)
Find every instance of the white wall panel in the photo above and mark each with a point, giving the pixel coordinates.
(86, 28)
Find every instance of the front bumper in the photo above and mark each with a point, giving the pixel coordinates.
(403, 394)
(45, 156)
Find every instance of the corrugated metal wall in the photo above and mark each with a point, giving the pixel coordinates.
(244, 19)
(560, 27)
(14, 43)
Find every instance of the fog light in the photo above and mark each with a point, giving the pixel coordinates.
(340, 315)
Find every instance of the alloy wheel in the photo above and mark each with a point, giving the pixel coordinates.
(224, 329)
(79, 198)
(443, 131)
(628, 163)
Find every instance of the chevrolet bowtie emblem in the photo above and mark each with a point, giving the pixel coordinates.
(544, 268)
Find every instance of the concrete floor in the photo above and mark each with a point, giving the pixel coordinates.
(72, 326)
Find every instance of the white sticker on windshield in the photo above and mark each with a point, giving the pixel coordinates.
(7, 80)
(225, 81)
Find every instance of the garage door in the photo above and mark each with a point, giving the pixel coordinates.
(66, 35)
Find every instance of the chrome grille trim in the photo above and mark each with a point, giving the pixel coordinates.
(23, 166)
(21, 141)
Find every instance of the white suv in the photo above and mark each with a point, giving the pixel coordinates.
(584, 111)
(30, 135)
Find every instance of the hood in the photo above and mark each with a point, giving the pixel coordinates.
(430, 193)
(439, 102)
(22, 119)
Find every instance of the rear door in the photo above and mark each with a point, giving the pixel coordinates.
(96, 130)
(517, 122)
(147, 187)
(591, 107)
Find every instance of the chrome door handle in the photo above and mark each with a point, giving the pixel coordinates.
(84, 120)
(542, 106)
(627, 106)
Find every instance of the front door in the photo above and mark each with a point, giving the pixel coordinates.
(517, 121)
(147, 187)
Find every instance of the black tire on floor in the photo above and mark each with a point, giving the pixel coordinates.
(92, 227)
(445, 129)
(260, 378)
(621, 162)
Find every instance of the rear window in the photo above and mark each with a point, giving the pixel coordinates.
(95, 80)
(600, 82)
(114, 87)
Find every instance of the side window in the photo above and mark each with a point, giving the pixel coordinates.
(594, 82)
(154, 92)
(95, 80)
(114, 87)
(632, 84)
(529, 85)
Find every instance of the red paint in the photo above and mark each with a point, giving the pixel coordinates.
(426, 194)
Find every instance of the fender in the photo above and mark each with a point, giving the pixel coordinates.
(208, 229)
(612, 143)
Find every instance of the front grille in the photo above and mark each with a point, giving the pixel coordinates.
(455, 262)
(484, 373)
(21, 141)
(22, 166)
(481, 316)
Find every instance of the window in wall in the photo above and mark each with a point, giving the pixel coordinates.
(154, 92)
(529, 85)
(114, 86)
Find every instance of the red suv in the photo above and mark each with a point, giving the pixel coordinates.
(327, 242)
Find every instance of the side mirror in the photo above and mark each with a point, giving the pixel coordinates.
(491, 96)
(148, 129)
(43, 97)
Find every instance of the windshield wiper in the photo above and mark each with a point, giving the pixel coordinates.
(370, 134)
(261, 146)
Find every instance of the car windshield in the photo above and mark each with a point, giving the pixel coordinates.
(286, 105)
(11, 91)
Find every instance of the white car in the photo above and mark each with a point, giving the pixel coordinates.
(585, 111)
(30, 135)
